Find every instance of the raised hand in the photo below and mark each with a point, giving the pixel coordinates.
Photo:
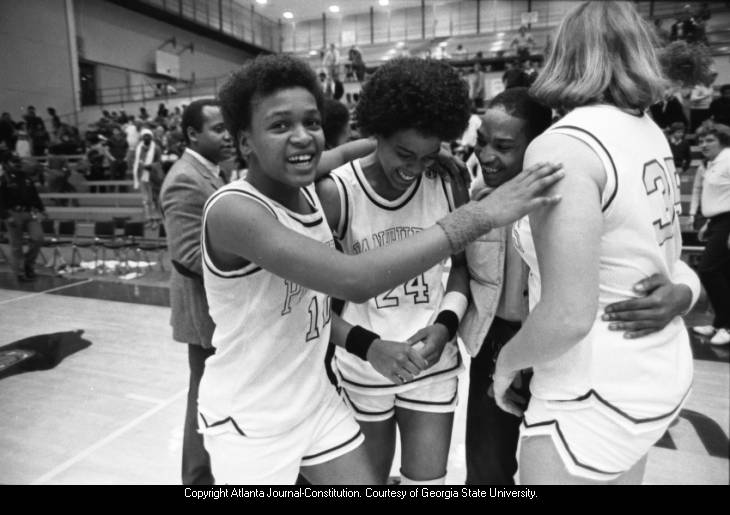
(522, 194)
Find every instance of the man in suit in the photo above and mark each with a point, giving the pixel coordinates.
(191, 180)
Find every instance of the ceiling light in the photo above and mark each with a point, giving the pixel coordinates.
(334, 8)
(288, 15)
(383, 2)
(313, 52)
(262, 2)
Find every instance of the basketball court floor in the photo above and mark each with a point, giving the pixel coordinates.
(92, 390)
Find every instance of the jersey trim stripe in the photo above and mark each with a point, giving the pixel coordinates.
(235, 275)
(416, 380)
(221, 422)
(332, 449)
(448, 192)
(613, 165)
(566, 446)
(429, 403)
(593, 393)
(220, 193)
(361, 411)
(366, 188)
(344, 207)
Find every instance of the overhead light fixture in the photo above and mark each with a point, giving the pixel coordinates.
(288, 15)
(443, 44)
(313, 52)
(262, 2)
(334, 8)
(384, 2)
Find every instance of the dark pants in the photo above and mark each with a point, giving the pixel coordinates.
(18, 222)
(195, 459)
(714, 269)
(491, 434)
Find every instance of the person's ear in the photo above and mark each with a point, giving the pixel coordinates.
(243, 144)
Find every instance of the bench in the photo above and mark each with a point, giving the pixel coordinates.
(92, 199)
(94, 213)
(110, 186)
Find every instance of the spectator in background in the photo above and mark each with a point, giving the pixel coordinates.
(143, 114)
(530, 72)
(36, 131)
(685, 27)
(132, 133)
(514, 76)
(460, 53)
(20, 207)
(331, 61)
(8, 132)
(720, 107)
(118, 148)
(523, 42)
(23, 145)
(358, 65)
(700, 99)
(714, 268)
(335, 123)
(680, 147)
(668, 111)
(146, 172)
(475, 81)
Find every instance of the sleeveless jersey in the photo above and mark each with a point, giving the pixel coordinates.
(639, 378)
(271, 334)
(368, 221)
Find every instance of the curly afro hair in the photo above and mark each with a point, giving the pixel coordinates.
(688, 64)
(260, 77)
(412, 93)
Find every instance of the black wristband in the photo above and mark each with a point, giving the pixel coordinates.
(448, 319)
(359, 340)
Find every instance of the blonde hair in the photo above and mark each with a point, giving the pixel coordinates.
(603, 52)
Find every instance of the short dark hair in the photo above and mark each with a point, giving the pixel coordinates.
(193, 116)
(724, 88)
(263, 76)
(411, 93)
(335, 118)
(720, 131)
(677, 126)
(519, 103)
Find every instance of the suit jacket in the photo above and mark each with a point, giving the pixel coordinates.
(186, 188)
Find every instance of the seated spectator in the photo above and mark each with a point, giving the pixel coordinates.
(700, 99)
(117, 148)
(36, 132)
(685, 27)
(681, 150)
(720, 107)
(358, 66)
(23, 145)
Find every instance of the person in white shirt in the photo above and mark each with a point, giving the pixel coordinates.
(714, 268)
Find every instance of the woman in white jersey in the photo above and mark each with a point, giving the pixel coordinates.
(410, 106)
(266, 407)
(599, 401)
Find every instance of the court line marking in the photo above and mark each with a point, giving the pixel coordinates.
(114, 435)
(35, 294)
(143, 398)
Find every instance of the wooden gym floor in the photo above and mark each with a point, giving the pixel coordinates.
(105, 405)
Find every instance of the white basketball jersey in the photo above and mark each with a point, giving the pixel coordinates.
(643, 377)
(271, 334)
(369, 221)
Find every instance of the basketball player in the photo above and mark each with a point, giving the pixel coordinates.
(498, 284)
(410, 106)
(266, 407)
(599, 401)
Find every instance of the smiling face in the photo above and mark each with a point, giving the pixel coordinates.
(405, 155)
(284, 141)
(501, 145)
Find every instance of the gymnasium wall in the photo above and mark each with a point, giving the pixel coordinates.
(116, 36)
(35, 58)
